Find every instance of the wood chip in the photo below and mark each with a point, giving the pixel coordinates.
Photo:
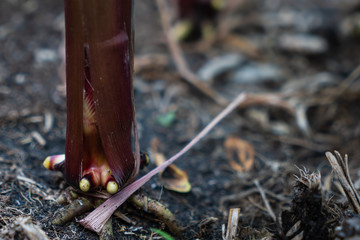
(233, 221)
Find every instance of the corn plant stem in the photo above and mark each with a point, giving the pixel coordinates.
(97, 218)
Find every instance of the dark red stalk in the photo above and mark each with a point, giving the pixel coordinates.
(100, 106)
(109, 30)
(101, 114)
(74, 90)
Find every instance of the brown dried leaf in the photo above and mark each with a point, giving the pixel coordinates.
(172, 178)
(243, 151)
(175, 179)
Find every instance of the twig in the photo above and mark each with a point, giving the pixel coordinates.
(246, 193)
(124, 218)
(254, 202)
(345, 84)
(28, 180)
(150, 61)
(233, 221)
(237, 196)
(270, 99)
(331, 94)
(304, 143)
(341, 168)
(263, 196)
(180, 62)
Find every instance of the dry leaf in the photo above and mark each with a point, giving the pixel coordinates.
(243, 151)
(172, 178)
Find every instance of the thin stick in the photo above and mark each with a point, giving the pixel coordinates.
(341, 168)
(233, 221)
(180, 62)
(97, 218)
(239, 196)
(345, 84)
(263, 196)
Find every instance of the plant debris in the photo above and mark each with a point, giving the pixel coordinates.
(23, 228)
(311, 215)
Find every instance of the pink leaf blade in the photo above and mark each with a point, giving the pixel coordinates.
(110, 46)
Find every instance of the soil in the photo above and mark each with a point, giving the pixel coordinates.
(33, 117)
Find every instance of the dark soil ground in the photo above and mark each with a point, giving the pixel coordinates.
(303, 48)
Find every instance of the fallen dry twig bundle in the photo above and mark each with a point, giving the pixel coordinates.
(341, 168)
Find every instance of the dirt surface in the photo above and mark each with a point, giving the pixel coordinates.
(300, 52)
